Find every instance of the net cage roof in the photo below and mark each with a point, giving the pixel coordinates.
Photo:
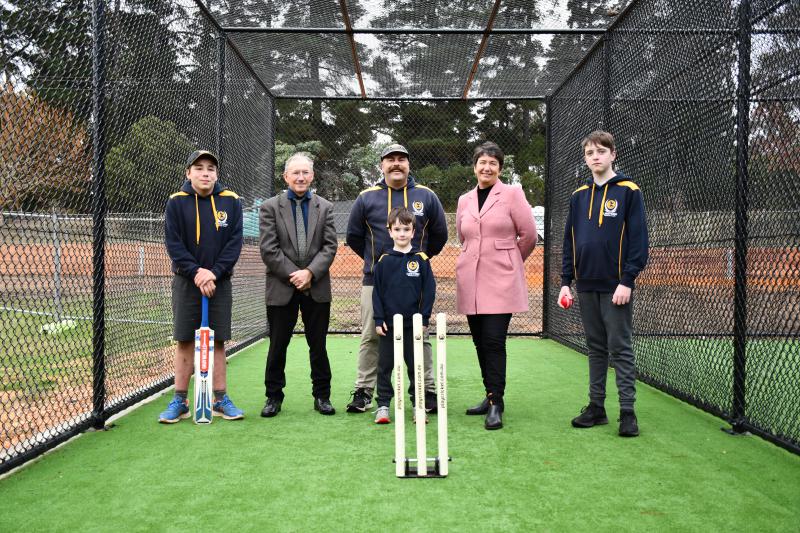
(419, 49)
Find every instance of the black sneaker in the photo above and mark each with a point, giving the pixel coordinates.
(362, 400)
(431, 406)
(591, 415)
(628, 425)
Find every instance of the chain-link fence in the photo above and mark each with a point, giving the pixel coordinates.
(83, 195)
(346, 137)
(704, 101)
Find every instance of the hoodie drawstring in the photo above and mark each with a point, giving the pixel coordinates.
(216, 219)
(389, 202)
(197, 217)
(602, 206)
(591, 203)
(196, 221)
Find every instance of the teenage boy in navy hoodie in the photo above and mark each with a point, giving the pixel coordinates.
(605, 248)
(404, 284)
(203, 235)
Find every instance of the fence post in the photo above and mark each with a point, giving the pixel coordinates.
(548, 231)
(271, 169)
(222, 41)
(99, 210)
(606, 82)
(59, 311)
(741, 224)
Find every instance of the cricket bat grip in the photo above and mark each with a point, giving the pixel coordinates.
(204, 320)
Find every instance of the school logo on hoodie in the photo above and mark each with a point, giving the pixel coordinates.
(418, 208)
(222, 219)
(611, 208)
(412, 269)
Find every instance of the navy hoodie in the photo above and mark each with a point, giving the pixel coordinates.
(404, 284)
(605, 237)
(203, 231)
(367, 233)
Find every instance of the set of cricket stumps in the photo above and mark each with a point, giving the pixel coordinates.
(419, 466)
(422, 465)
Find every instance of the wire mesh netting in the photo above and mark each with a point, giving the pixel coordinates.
(346, 137)
(665, 81)
(164, 97)
(418, 61)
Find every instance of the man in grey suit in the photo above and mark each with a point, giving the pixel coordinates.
(298, 244)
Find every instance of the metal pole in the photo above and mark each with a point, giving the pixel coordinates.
(312, 97)
(415, 31)
(59, 311)
(606, 82)
(548, 232)
(271, 169)
(741, 207)
(99, 210)
(222, 42)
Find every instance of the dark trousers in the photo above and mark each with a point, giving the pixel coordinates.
(282, 319)
(386, 364)
(489, 336)
(609, 329)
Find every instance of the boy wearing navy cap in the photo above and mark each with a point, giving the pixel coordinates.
(203, 235)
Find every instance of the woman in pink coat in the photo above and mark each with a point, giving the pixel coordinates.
(497, 233)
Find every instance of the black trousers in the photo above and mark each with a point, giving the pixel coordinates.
(489, 336)
(386, 364)
(282, 319)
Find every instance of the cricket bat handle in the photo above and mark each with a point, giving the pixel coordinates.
(204, 320)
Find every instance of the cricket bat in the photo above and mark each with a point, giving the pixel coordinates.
(203, 369)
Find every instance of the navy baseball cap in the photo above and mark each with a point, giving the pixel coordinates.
(197, 154)
(394, 149)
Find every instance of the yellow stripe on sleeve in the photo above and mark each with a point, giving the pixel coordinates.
(628, 184)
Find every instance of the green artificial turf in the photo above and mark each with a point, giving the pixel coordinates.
(304, 472)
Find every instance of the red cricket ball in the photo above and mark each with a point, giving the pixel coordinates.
(566, 302)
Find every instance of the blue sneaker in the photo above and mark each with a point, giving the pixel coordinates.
(227, 410)
(176, 410)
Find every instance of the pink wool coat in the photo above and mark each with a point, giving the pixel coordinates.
(490, 276)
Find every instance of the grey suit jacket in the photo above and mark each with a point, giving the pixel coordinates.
(279, 247)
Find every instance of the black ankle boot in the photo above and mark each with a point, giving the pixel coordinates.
(494, 417)
(479, 409)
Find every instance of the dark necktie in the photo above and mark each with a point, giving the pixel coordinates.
(302, 246)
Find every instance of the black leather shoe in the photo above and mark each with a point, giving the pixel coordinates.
(494, 417)
(324, 406)
(271, 408)
(480, 409)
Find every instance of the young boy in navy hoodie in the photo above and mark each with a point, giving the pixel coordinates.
(605, 248)
(404, 285)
